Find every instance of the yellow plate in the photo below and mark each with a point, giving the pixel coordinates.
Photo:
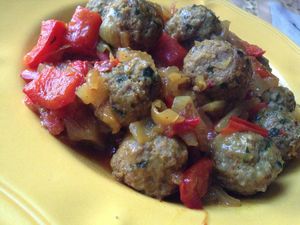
(42, 181)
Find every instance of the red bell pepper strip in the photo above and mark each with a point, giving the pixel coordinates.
(83, 31)
(51, 38)
(259, 69)
(236, 124)
(168, 52)
(194, 183)
(80, 66)
(252, 50)
(185, 126)
(54, 87)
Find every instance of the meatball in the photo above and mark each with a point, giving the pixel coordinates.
(283, 129)
(246, 162)
(280, 98)
(194, 22)
(100, 6)
(132, 85)
(150, 168)
(132, 23)
(226, 70)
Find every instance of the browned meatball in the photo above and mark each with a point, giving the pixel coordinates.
(283, 129)
(225, 69)
(132, 23)
(246, 162)
(194, 22)
(151, 167)
(132, 86)
(280, 98)
(100, 6)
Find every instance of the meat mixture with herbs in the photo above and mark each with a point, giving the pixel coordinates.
(179, 102)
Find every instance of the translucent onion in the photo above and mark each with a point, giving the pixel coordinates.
(225, 24)
(223, 122)
(200, 83)
(163, 116)
(85, 129)
(272, 81)
(190, 139)
(216, 194)
(103, 47)
(180, 104)
(166, 13)
(105, 114)
(259, 85)
(214, 107)
(184, 106)
(172, 80)
(144, 130)
(94, 90)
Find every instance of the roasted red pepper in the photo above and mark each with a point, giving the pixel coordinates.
(54, 87)
(80, 66)
(186, 126)
(236, 124)
(168, 52)
(107, 65)
(260, 69)
(83, 31)
(252, 50)
(51, 38)
(52, 120)
(194, 183)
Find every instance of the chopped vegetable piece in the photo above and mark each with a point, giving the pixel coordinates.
(52, 37)
(80, 66)
(163, 116)
(252, 50)
(52, 120)
(183, 127)
(236, 124)
(173, 81)
(194, 183)
(82, 31)
(105, 114)
(54, 87)
(29, 103)
(94, 90)
(106, 65)
(29, 75)
(168, 52)
(260, 69)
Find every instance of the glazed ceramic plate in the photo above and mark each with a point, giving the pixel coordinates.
(42, 181)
